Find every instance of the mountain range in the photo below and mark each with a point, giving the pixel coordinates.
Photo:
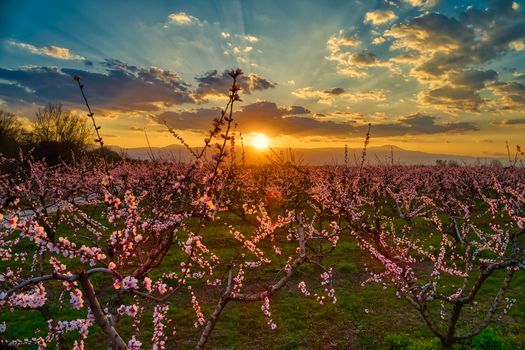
(386, 154)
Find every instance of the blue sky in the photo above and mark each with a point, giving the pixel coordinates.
(439, 76)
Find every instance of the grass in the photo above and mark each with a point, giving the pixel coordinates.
(364, 317)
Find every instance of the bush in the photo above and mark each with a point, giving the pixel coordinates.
(111, 156)
(488, 340)
(397, 341)
(403, 341)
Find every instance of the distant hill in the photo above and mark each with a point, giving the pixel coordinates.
(311, 156)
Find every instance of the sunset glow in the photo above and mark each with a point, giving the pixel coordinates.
(277, 174)
(443, 77)
(260, 142)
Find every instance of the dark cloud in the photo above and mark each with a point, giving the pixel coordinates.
(514, 121)
(216, 83)
(364, 58)
(335, 91)
(297, 121)
(458, 98)
(121, 87)
(425, 124)
(474, 79)
(509, 95)
(449, 49)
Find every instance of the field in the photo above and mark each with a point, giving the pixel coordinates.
(331, 228)
(251, 175)
(220, 254)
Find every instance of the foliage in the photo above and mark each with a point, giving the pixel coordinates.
(403, 341)
(488, 339)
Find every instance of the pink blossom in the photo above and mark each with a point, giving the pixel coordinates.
(129, 282)
(77, 302)
(147, 283)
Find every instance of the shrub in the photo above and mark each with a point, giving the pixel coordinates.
(488, 340)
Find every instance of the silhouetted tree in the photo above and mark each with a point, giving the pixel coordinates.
(59, 135)
(11, 133)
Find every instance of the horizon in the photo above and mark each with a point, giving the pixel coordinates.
(432, 76)
(375, 155)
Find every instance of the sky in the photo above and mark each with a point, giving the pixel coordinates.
(429, 75)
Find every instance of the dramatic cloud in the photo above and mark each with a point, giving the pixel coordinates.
(329, 96)
(181, 19)
(452, 98)
(509, 96)
(445, 51)
(297, 121)
(121, 87)
(379, 17)
(213, 84)
(353, 64)
(60, 53)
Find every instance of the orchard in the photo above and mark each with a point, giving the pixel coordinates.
(161, 255)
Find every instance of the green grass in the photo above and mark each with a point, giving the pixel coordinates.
(301, 322)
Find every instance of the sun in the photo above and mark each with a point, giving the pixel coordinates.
(260, 141)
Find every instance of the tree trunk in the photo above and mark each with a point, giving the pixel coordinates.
(100, 317)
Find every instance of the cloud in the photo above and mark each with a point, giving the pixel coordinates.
(297, 121)
(351, 63)
(445, 52)
(509, 95)
(379, 17)
(473, 79)
(379, 40)
(422, 3)
(251, 38)
(517, 45)
(324, 97)
(215, 84)
(337, 41)
(513, 121)
(329, 96)
(451, 98)
(121, 87)
(239, 46)
(181, 19)
(60, 53)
